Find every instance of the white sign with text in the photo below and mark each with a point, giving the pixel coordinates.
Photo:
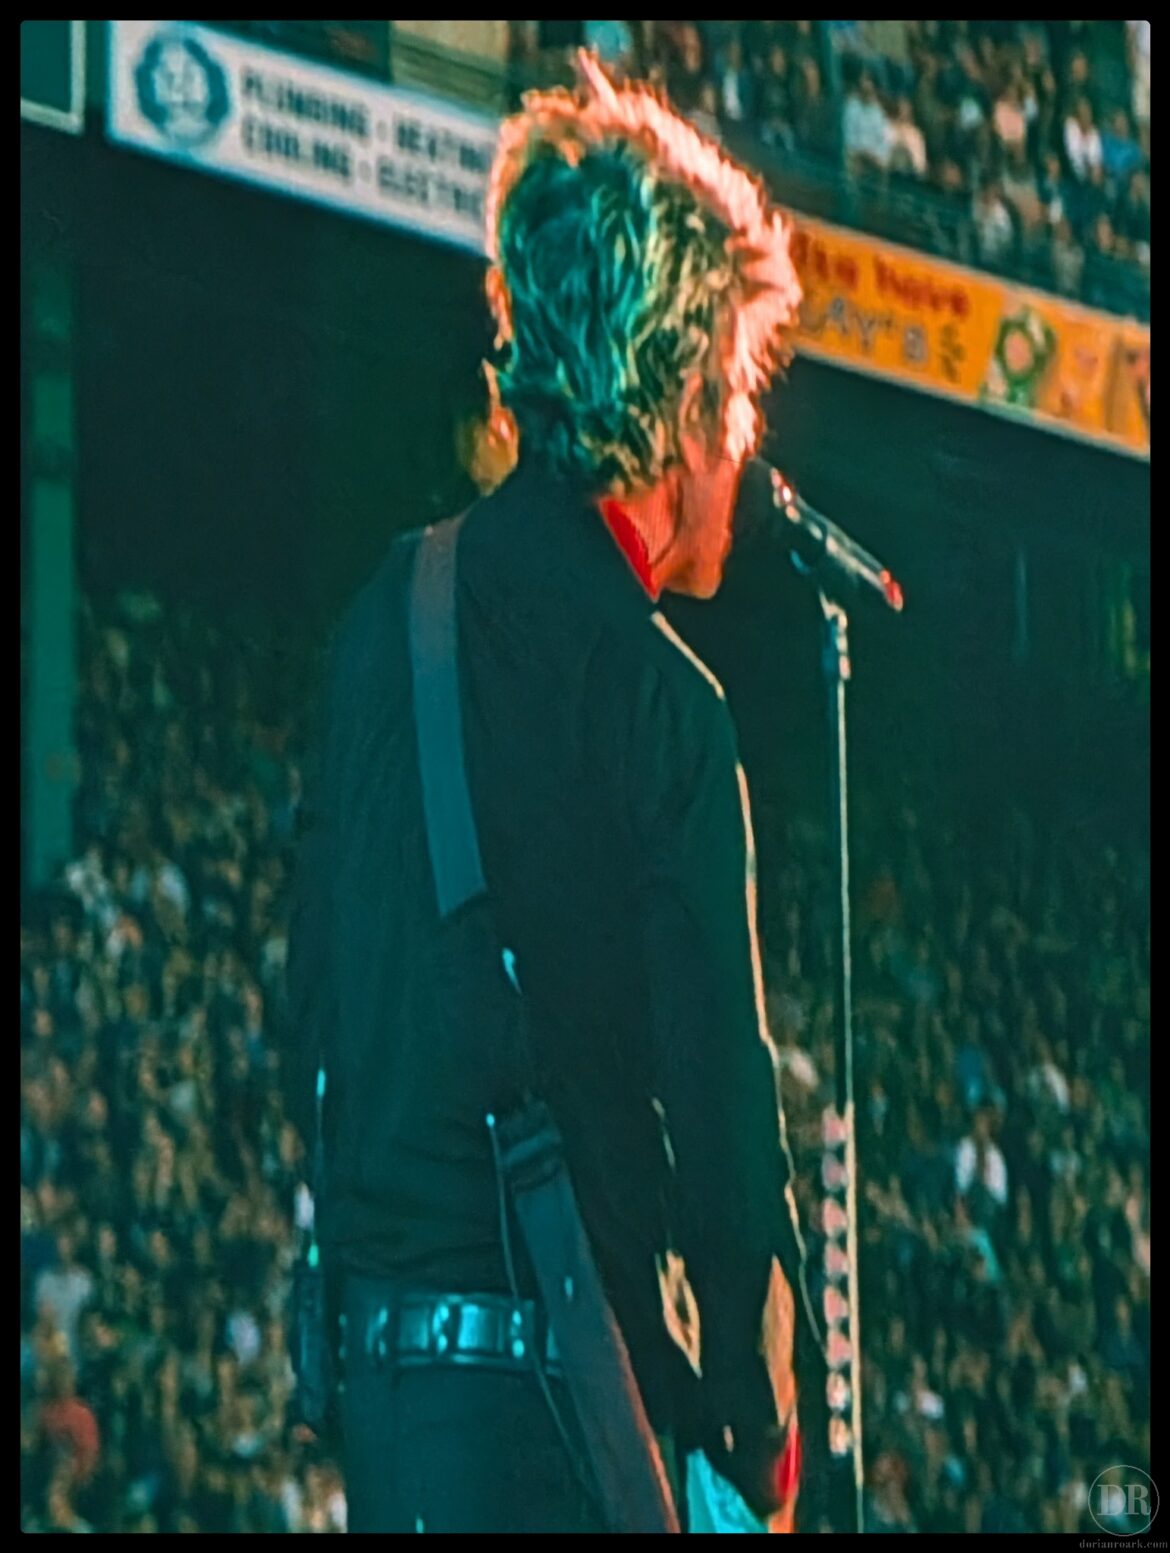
(222, 105)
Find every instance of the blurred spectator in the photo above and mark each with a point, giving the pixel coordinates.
(64, 1290)
(1034, 39)
(930, 111)
(705, 116)
(1051, 190)
(865, 128)
(994, 232)
(1133, 215)
(907, 144)
(980, 1163)
(68, 1425)
(648, 48)
(1021, 190)
(1026, 87)
(1100, 276)
(59, 1512)
(685, 74)
(801, 42)
(1044, 133)
(815, 118)
(1120, 154)
(1070, 59)
(1009, 120)
(887, 1509)
(1082, 140)
(736, 86)
(775, 111)
(323, 1508)
(1121, 1350)
(972, 108)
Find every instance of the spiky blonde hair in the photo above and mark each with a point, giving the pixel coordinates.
(629, 251)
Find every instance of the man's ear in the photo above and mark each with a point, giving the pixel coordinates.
(691, 423)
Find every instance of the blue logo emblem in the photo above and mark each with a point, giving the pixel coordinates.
(181, 90)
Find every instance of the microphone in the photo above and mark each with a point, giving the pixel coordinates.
(768, 502)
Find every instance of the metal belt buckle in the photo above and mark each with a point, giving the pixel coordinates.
(491, 1330)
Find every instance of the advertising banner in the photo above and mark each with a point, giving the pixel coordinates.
(920, 321)
(225, 105)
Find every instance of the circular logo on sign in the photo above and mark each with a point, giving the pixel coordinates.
(1123, 1501)
(181, 90)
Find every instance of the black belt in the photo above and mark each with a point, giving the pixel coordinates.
(393, 1327)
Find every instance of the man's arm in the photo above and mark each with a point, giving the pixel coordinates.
(695, 864)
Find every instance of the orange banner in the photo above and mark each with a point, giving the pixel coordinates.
(878, 308)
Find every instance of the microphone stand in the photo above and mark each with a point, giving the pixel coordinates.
(834, 561)
(837, 669)
(842, 1306)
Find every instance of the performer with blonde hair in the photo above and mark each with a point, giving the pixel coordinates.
(644, 300)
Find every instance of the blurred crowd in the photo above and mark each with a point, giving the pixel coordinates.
(1002, 984)
(1003, 1038)
(158, 1175)
(1027, 144)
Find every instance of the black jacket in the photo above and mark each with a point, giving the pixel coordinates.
(616, 843)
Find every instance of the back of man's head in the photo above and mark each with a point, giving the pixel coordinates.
(629, 253)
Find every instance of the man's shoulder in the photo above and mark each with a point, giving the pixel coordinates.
(674, 657)
(653, 679)
(365, 617)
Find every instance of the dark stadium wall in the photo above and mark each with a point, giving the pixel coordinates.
(404, 330)
(265, 391)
